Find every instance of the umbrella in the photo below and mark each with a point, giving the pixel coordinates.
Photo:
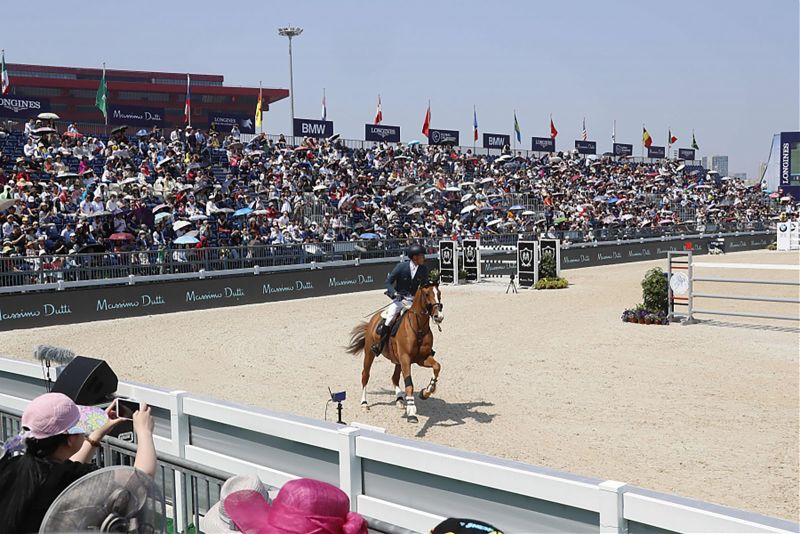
(369, 235)
(467, 197)
(73, 134)
(494, 222)
(610, 219)
(242, 212)
(192, 233)
(260, 212)
(94, 247)
(162, 216)
(121, 236)
(44, 131)
(504, 157)
(163, 162)
(414, 211)
(161, 207)
(516, 207)
(403, 189)
(528, 213)
(67, 176)
(225, 210)
(467, 209)
(401, 158)
(48, 116)
(198, 217)
(774, 195)
(414, 142)
(99, 214)
(180, 224)
(119, 129)
(453, 189)
(6, 203)
(142, 133)
(186, 240)
(320, 187)
(466, 184)
(627, 217)
(599, 198)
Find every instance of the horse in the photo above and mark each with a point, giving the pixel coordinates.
(413, 344)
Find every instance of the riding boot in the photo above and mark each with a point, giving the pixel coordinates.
(383, 332)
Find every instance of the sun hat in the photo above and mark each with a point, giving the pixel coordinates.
(52, 414)
(217, 519)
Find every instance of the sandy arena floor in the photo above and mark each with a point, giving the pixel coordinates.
(554, 378)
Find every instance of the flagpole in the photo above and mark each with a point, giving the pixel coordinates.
(261, 110)
(514, 140)
(105, 89)
(474, 126)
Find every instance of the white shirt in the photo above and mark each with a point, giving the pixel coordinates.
(413, 268)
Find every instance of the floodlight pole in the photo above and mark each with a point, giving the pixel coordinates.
(290, 31)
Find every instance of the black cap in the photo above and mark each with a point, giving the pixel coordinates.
(464, 526)
(413, 250)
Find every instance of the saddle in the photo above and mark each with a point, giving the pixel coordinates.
(396, 323)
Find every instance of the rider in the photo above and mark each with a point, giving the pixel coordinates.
(401, 285)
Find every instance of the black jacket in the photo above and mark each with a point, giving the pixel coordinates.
(399, 281)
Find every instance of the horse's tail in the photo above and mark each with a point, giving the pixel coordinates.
(357, 341)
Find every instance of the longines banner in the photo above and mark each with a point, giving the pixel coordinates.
(224, 121)
(113, 302)
(472, 259)
(312, 128)
(382, 133)
(686, 153)
(22, 107)
(442, 137)
(623, 149)
(656, 152)
(497, 141)
(543, 144)
(135, 115)
(790, 163)
(586, 147)
(448, 262)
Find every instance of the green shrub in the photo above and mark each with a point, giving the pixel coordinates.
(773, 246)
(547, 266)
(462, 275)
(434, 275)
(552, 283)
(655, 290)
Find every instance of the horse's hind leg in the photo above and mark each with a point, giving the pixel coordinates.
(430, 389)
(398, 393)
(369, 357)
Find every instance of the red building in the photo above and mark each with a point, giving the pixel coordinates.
(135, 98)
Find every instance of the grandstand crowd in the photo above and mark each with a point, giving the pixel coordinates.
(65, 193)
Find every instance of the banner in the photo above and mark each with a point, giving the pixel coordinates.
(550, 248)
(312, 128)
(135, 115)
(472, 259)
(497, 141)
(622, 149)
(790, 163)
(224, 121)
(22, 107)
(527, 261)
(442, 137)
(448, 262)
(686, 153)
(543, 144)
(586, 147)
(381, 133)
(656, 152)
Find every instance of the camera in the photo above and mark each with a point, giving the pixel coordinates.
(339, 396)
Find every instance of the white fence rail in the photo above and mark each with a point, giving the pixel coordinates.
(407, 483)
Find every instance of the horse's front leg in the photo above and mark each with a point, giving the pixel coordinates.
(411, 409)
(430, 389)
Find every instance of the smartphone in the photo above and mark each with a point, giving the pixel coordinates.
(124, 409)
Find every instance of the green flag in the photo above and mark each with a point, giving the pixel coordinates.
(101, 101)
(694, 142)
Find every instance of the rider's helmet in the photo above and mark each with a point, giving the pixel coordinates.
(413, 250)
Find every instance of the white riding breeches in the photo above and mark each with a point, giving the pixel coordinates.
(395, 307)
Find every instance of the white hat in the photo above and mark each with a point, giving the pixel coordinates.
(216, 519)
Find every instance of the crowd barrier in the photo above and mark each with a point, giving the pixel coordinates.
(682, 279)
(407, 483)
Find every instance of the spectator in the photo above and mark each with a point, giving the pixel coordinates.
(57, 443)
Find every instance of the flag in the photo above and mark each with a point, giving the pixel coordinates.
(324, 107)
(6, 83)
(584, 133)
(474, 124)
(553, 131)
(187, 107)
(517, 130)
(614, 132)
(258, 107)
(379, 112)
(427, 124)
(646, 139)
(101, 100)
(672, 138)
(694, 142)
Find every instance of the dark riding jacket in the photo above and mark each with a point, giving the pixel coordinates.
(399, 281)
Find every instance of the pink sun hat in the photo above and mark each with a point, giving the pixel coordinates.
(52, 414)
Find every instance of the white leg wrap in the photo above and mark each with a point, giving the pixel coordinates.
(411, 409)
(363, 395)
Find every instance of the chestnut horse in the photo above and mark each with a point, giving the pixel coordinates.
(413, 344)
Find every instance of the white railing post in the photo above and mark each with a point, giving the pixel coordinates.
(612, 519)
(179, 433)
(350, 465)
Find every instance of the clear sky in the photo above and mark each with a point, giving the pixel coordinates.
(727, 68)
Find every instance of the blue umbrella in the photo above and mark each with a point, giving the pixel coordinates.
(242, 212)
(414, 142)
(186, 240)
(369, 235)
(612, 200)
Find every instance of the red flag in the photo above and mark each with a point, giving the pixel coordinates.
(553, 131)
(426, 125)
(379, 112)
(672, 138)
